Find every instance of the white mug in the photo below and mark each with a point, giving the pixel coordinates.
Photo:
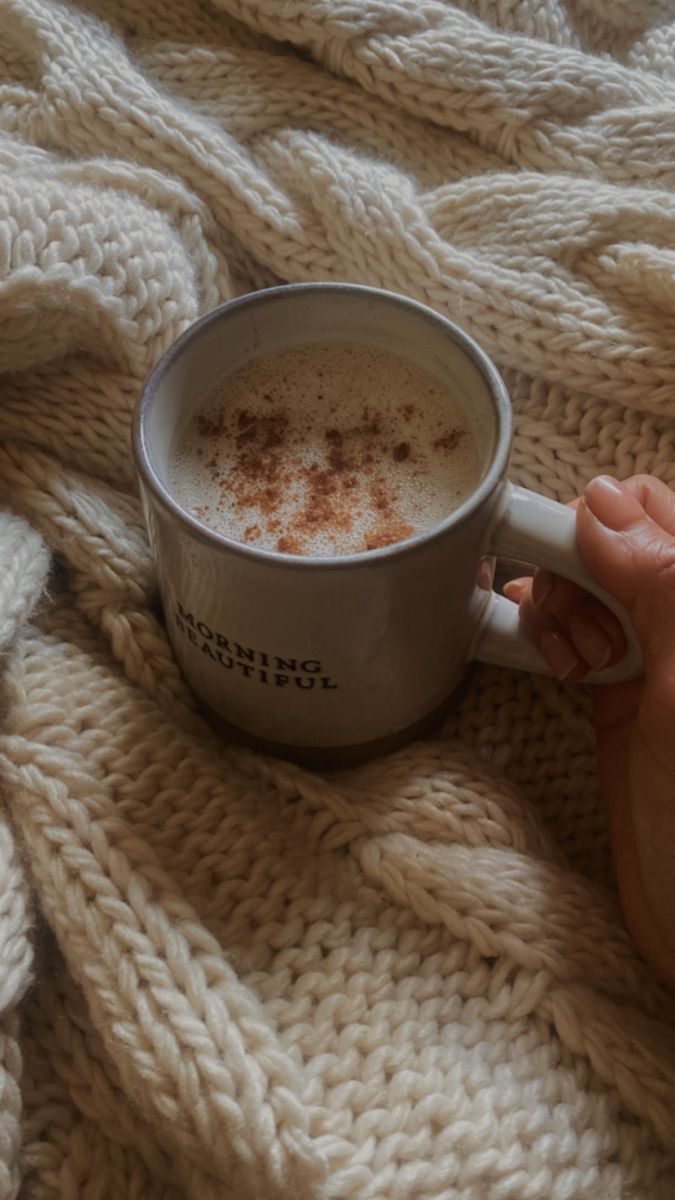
(333, 659)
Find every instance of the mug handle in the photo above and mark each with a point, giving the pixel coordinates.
(532, 528)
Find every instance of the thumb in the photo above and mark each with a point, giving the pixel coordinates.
(626, 536)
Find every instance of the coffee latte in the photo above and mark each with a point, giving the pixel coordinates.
(325, 449)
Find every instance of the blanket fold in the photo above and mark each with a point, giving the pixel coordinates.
(222, 976)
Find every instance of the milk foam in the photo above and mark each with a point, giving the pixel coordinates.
(325, 449)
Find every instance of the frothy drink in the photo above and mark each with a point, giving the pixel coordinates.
(325, 449)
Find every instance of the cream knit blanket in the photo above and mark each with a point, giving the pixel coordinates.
(221, 976)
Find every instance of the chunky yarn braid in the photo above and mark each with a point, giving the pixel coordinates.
(222, 976)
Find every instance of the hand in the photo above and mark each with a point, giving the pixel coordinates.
(626, 536)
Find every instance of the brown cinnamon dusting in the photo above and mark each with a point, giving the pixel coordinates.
(264, 475)
(449, 440)
(210, 426)
(266, 432)
(289, 545)
(388, 532)
(389, 527)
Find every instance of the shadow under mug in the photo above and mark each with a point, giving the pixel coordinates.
(331, 660)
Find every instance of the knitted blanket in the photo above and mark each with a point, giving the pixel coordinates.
(222, 976)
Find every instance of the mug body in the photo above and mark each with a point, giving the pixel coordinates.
(338, 657)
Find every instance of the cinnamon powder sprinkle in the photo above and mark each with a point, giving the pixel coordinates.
(449, 440)
(266, 469)
(289, 545)
(326, 448)
(209, 426)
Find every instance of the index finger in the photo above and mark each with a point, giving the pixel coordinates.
(656, 498)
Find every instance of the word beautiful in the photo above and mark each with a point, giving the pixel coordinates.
(258, 665)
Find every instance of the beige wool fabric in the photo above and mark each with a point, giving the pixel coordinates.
(222, 976)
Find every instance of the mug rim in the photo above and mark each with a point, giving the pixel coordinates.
(362, 558)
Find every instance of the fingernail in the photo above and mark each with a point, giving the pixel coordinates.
(559, 654)
(542, 586)
(612, 502)
(590, 640)
(513, 590)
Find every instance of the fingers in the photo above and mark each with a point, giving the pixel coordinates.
(656, 498)
(573, 630)
(624, 536)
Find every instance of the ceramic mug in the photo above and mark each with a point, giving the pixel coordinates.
(333, 659)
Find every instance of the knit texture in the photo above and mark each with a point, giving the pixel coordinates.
(223, 977)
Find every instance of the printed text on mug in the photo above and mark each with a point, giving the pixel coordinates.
(257, 665)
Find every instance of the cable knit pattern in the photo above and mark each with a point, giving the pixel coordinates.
(223, 977)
